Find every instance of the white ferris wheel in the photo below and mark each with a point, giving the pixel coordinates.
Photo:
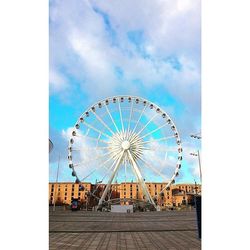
(124, 138)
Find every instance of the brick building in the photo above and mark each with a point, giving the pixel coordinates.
(176, 195)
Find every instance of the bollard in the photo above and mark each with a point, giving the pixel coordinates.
(198, 213)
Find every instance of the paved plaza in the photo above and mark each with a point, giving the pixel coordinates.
(142, 230)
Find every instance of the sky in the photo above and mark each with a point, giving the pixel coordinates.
(144, 48)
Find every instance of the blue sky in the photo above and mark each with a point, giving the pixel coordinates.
(145, 48)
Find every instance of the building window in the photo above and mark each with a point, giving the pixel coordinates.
(65, 198)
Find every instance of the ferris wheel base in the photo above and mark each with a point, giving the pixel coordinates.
(141, 205)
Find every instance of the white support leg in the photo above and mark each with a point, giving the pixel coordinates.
(140, 180)
(111, 178)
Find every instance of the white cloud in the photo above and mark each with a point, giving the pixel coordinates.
(169, 28)
(57, 81)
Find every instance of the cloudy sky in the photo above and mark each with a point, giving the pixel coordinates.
(145, 48)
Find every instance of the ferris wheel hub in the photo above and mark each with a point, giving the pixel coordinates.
(125, 145)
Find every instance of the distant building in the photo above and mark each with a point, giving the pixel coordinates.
(125, 193)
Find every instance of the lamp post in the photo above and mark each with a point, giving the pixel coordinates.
(56, 191)
(197, 154)
(198, 197)
(199, 160)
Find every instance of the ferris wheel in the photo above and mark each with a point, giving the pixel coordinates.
(124, 138)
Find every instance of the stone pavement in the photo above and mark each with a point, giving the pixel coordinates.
(175, 230)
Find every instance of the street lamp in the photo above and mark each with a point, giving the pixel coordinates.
(56, 186)
(198, 197)
(197, 136)
(198, 154)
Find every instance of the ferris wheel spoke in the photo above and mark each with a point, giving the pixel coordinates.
(119, 105)
(160, 139)
(92, 159)
(153, 131)
(130, 115)
(92, 138)
(88, 175)
(140, 117)
(165, 179)
(102, 165)
(153, 117)
(159, 149)
(89, 148)
(87, 132)
(111, 118)
(98, 139)
(125, 171)
(167, 163)
(97, 130)
(153, 169)
(103, 123)
(136, 154)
